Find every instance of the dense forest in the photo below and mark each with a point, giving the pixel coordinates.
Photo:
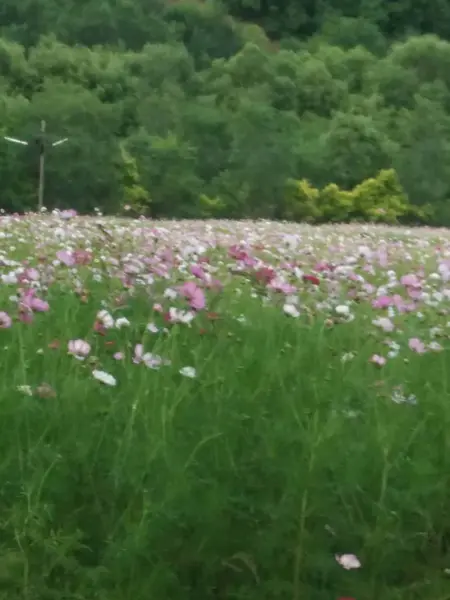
(195, 109)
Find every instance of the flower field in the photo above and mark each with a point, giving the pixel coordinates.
(223, 410)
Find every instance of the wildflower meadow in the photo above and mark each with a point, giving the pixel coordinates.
(219, 410)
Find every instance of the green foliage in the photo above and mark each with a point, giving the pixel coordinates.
(380, 199)
(211, 207)
(377, 199)
(302, 201)
(336, 205)
(225, 100)
(136, 199)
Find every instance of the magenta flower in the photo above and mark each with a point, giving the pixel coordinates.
(5, 320)
(31, 274)
(410, 280)
(417, 345)
(66, 258)
(414, 293)
(82, 257)
(194, 295)
(39, 305)
(29, 302)
(382, 302)
(198, 271)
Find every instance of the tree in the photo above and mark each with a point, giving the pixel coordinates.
(355, 149)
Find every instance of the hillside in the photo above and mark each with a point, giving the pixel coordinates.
(194, 109)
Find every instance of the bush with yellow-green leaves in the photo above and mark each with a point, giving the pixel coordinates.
(377, 199)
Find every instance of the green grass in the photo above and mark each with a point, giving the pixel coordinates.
(242, 483)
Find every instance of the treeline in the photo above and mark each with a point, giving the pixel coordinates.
(180, 110)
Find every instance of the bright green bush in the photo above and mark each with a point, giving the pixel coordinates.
(380, 199)
(135, 197)
(377, 199)
(211, 207)
(301, 201)
(335, 204)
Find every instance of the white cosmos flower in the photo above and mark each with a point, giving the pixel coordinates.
(104, 377)
(122, 322)
(25, 389)
(291, 310)
(79, 348)
(180, 316)
(342, 309)
(348, 561)
(435, 346)
(170, 293)
(154, 361)
(106, 319)
(188, 372)
(9, 278)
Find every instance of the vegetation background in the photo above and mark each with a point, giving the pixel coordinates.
(192, 109)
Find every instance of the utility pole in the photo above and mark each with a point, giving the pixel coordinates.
(41, 168)
(41, 141)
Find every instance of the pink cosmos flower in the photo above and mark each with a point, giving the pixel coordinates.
(29, 302)
(30, 274)
(249, 261)
(278, 285)
(410, 280)
(382, 302)
(378, 360)
(237, 253)
(68, 214)
(82, 257)
(66, 258)
(194, 295)
(5, 320)
(417, 345)
(414, 293)
(79, 348)
(323, 266)
(198, 271)
(265, 275)
(99, 328)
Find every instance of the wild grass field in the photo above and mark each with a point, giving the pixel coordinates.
(223, 410)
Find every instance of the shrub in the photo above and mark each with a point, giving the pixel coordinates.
(134, 196)
(211, 207)
(377, 199)
(380, 198)
(335, 204)
(301, 201)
